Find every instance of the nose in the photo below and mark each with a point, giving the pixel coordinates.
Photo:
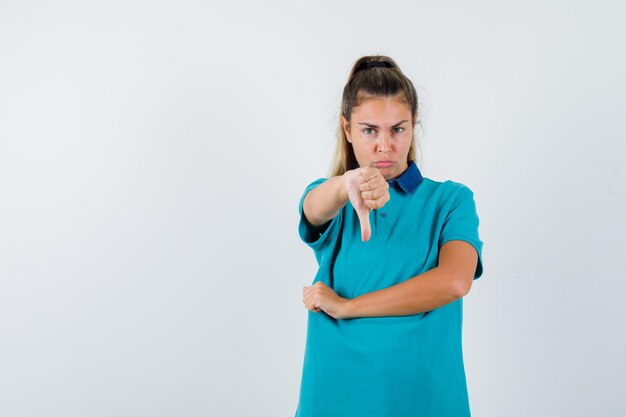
(384, 143)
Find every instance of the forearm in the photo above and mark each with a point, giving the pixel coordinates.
(324, 201)
(424, 292)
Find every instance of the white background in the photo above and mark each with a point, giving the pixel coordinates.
(152, 155)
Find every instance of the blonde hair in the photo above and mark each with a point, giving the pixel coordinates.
(385, 80)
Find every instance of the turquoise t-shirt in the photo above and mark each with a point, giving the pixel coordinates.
(393, 366)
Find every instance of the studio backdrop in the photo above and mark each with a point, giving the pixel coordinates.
(152, 155)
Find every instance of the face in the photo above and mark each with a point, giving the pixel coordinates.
(381, 132)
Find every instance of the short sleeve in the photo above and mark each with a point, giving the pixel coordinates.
(461, 223)
(316, 236)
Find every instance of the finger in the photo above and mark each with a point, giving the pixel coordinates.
(372, 194)
(374, 182)
(370, 173)
(367, 175)
(310, 301)
(312, 306)
(376, 203)
(380, 195)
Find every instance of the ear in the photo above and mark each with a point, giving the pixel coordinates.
(346, 128)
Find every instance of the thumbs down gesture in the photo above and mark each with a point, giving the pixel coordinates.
(367, 189)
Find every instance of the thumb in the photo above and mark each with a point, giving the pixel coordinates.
(364, 220)
(352, 183)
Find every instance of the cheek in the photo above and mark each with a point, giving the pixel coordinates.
(362, 146)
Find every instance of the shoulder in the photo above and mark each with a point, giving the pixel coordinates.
(447, 188)
(458, 188)
(311, 186)
(315, 183)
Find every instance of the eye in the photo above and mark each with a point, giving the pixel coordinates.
(399, 129)
(368, 129)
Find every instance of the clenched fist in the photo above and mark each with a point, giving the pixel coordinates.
(367, 189)
(319, 296)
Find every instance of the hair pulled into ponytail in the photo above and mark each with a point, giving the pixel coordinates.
(374, 75)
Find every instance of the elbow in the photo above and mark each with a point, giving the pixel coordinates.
(306, 208)
(461, 285)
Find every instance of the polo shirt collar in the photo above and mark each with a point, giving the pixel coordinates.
(409, 179)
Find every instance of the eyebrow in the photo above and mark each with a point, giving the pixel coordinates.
(371, 125)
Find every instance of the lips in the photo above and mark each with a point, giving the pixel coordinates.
(383, 164)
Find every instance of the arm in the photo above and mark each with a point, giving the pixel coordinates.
(322, 203)
(447, 282)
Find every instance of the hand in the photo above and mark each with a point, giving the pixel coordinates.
(366, 189)
(320, 296)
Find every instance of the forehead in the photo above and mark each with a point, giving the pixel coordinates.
(381, 109)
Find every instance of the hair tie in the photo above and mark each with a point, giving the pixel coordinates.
(372, 64)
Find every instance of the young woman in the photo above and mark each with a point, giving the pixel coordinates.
(396, 253)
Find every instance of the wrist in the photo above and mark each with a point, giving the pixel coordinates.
(343, 193)
(346, 309)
